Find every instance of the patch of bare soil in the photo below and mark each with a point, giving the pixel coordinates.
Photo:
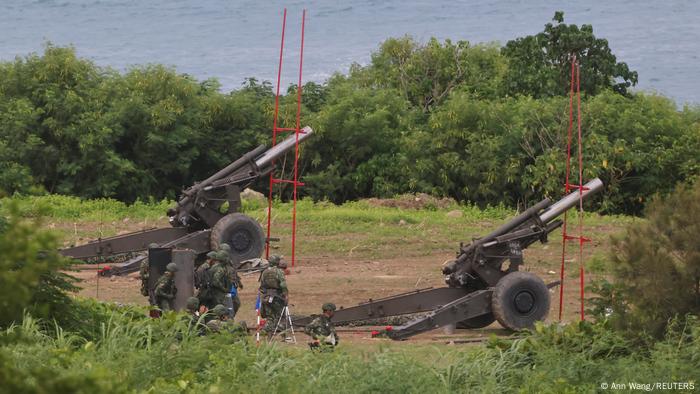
(314, 281)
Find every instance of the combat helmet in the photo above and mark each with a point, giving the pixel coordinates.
(274, 260)
(219, 310)
(212, 255)
(192, 303)
(328, 306)
(225, 247)
(171, 267)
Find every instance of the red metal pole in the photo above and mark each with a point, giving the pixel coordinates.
(566, 190)
(274, 135)
(580, 190)
(296, 147)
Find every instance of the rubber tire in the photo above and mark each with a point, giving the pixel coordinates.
(477, 322)
(504, 306)
(243, 233)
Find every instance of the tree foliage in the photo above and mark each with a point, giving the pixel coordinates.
(540, 65)
(473, 122)
(656, 264)
(30, 276)
(426, 74)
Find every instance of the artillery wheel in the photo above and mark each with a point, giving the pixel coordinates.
(519, 300)
(477, 322)
(243, 233)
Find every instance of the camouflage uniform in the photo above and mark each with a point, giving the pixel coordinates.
(165, 289)
(144, 274)
(220, 322)
(193, 317)
(322, 330)
(220, 283)
(233, 276)
(203, 279)
(273, 294)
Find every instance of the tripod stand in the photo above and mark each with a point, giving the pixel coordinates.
(284, 326)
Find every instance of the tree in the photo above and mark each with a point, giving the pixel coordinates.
(540, 65)
(426, 74)
(656, 263)
(30, 272)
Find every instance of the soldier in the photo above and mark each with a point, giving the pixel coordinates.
(220, 283)
(273, 293)
(144, 275)
(221, 322)
(165, 289)
(321, 329)
(234, 278)
(202, 281)
(193, 316)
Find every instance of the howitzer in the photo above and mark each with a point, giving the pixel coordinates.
(197, 220)
(481, 287)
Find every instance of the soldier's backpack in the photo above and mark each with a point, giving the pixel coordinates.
(270, 279)
(203, 277)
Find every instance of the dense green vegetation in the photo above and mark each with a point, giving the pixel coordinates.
(478, 123)
(656, 266)
(134, 354)
(86, 346)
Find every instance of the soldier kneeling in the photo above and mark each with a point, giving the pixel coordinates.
(322, 331)
(221, 323)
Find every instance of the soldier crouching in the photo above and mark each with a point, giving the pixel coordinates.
(322, 330)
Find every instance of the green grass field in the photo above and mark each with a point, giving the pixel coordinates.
(104, 347)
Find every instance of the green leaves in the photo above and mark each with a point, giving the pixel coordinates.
(540, 65)
(656, 265)
(29, 271)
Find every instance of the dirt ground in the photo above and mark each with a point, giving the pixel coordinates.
(346, 282)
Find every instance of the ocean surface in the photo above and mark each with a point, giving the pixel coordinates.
(232, 40)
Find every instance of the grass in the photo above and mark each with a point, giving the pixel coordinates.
(129, 353)
(358, 230)
(109, 348)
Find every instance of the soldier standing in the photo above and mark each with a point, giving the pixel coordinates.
(220, 283)
(274, 294)
(165, 289)
(321, 329)
(203, 280)
(144, 275)
(234, 278)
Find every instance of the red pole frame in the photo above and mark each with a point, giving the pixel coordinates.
(274, 135)
(575, 79)
(297, 130)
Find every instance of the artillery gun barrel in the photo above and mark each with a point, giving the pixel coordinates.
(593, 186)
(262, 157)
(280, 149)
(231, 167)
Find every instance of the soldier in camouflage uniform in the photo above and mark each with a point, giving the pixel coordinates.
(274, 294)
(321, 329)
(234, 278)
(144, 275)
(221, 322)
(220, 283)
(165, 289)
(203, 279)
(193, 316)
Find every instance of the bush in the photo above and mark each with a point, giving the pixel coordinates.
(656, 266)
(30, 272)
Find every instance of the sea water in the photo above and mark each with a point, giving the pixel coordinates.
(232, 40)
